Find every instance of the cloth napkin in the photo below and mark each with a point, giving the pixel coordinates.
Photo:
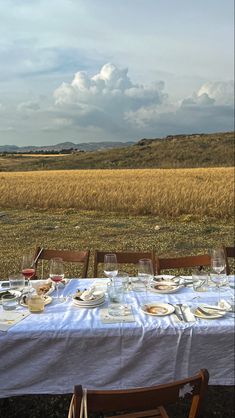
(88, 294)
(108, 319)
(9, 318)
(187, 312)
(226, 305)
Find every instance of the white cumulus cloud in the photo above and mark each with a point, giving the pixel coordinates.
(105, 98)
(111, 102)
(221, 91)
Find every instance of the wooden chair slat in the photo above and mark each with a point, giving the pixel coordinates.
(229, 253)
(67, 256)
(136, 403)
(182, 262)
(123, 257)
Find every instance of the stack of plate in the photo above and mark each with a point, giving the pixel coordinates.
(97, 300)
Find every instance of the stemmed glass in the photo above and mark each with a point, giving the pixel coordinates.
(145, 272)
(110, 266)
(28, 267)
(56, 273)
(218, 264)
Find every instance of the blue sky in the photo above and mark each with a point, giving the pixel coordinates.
(93, 70)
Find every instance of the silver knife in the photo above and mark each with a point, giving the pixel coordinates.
(180, 318)
(216, 308)
(182, 312)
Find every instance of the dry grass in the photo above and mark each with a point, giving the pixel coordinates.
(163, 192)
(40, 155)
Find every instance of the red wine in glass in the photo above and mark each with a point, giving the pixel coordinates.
(28, 267)
(56, 278)
(28, 273)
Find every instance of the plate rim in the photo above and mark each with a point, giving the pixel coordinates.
(176, 288)
(172, 310)
(102, 296)
(17, 293)
(51, 290)
(47, 303)
(214, 316)
(88, 306)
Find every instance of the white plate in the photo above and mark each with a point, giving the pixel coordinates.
(79, 305)
(16, 293)
(97, 295)
(4, 284)
(47, 300)
(157, 309)
(89, 302)
(213, 314)
(36, 284)
(164, 287)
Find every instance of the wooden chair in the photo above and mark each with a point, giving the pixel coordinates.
(125, 257)
(66, 255)
(142, 402)
(182, 262)
(229, 253)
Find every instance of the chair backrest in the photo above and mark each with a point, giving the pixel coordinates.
(66, 255)
(123, 257)
(182, 262)
(145, 400)
(229, 253)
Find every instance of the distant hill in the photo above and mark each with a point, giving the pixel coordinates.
(86, 146)
(174, 151)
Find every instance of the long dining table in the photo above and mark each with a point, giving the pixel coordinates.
(50, 352)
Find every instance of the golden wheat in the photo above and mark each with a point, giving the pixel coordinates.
(163, 192)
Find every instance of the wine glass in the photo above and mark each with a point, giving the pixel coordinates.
(110, 266)
(145, 272)
(56, 273)
(28, 267)
(218, 264)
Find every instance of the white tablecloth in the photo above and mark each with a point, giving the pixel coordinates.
(65, 345)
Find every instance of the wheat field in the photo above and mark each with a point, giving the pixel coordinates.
(163, 192)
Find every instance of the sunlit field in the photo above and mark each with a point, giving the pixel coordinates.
(163, 192)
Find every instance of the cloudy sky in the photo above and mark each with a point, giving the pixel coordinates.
(93, 70)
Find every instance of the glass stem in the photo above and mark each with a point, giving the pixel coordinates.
(28, 280)
(57, 290)
(219, 294)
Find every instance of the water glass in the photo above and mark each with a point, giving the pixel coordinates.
(9, 302)
(145, 275)
(110, 266)
(200, 281)
(124, 279)
(16, 281)
(116, 306)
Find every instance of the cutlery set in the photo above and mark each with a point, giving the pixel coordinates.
(206, 311)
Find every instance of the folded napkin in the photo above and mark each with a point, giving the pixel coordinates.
(88, 294)
(108, 319)
(9, 318)
(223, 304)
(187, 314)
